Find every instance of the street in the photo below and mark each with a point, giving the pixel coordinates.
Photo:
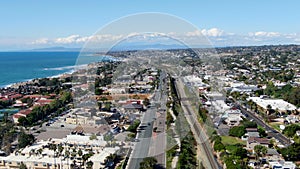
(146, 145)
(272, 132)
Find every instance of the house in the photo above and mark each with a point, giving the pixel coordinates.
(22, 113)
(253, 141)
(272, 155)
(42, 102)
(282, 164)
(132, 107)
(233, 117)
(250, 132)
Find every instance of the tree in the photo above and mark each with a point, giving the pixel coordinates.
(262, 132)
(89, 165)
(25, 139)
(148, 163)
(219, 146)
(146, 102)
(23, 121)
(53, 147)
(269, 109)
(79, 152)
(240, 152)
(67, 155)
(249, 124)
(291, 153)
(134, 126)
(98, 91)
(260, 150)
(291, 130)
(22, 166)
(203, 113)
(237, 131)
(85, 157)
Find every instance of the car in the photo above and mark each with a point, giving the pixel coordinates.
(62, 125)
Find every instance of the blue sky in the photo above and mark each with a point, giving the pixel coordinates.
(25, 22)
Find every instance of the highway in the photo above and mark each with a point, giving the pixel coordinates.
(158, 140)
(143, 138)
(271, 131)
(145, 145)
(209, 161)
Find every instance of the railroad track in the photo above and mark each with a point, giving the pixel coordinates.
(203, 142)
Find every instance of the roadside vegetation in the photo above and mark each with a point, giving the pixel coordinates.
(187, 157)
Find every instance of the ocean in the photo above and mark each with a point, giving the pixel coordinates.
(23, 66)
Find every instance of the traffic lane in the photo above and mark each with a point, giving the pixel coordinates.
(274, 133)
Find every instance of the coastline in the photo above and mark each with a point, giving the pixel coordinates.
(30, 81)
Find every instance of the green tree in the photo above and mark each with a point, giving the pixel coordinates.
(291, 153)
(148, 163)
(260, 151)
(89, 165)
(290, 130)
(219, 146)
(237, 131)
(262, 132)
(25, 139)
(134, 126)
(240, 152)
(22, 166)
(146, 102)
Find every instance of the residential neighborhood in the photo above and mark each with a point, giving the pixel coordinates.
(247, 112)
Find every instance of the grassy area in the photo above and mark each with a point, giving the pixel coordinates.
(228, 140)
(275, 125)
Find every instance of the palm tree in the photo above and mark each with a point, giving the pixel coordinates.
(110, 158)
(79, 152)
(260, 151)
(53, 147)
(89, 165)
(40, 151)
(60, 149)
(67, 155)
(85, 157)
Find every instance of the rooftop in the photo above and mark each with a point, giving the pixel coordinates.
(276, 104)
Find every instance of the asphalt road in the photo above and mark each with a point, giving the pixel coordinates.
(144, 136)
(142, 143)
(271, 131)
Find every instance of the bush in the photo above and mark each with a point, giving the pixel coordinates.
(134, 126)
(290, 130)
(237, 131)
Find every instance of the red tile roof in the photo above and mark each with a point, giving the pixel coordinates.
(258, 140)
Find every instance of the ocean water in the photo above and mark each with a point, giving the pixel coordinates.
(23, 66)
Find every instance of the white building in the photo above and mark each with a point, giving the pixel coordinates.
(276, 104)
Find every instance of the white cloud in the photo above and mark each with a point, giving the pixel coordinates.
(265, 34)
(68, 40)
(213, 32)
(40, 41)
(217, 36)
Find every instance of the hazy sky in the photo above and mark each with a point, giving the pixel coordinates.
(34, 23)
